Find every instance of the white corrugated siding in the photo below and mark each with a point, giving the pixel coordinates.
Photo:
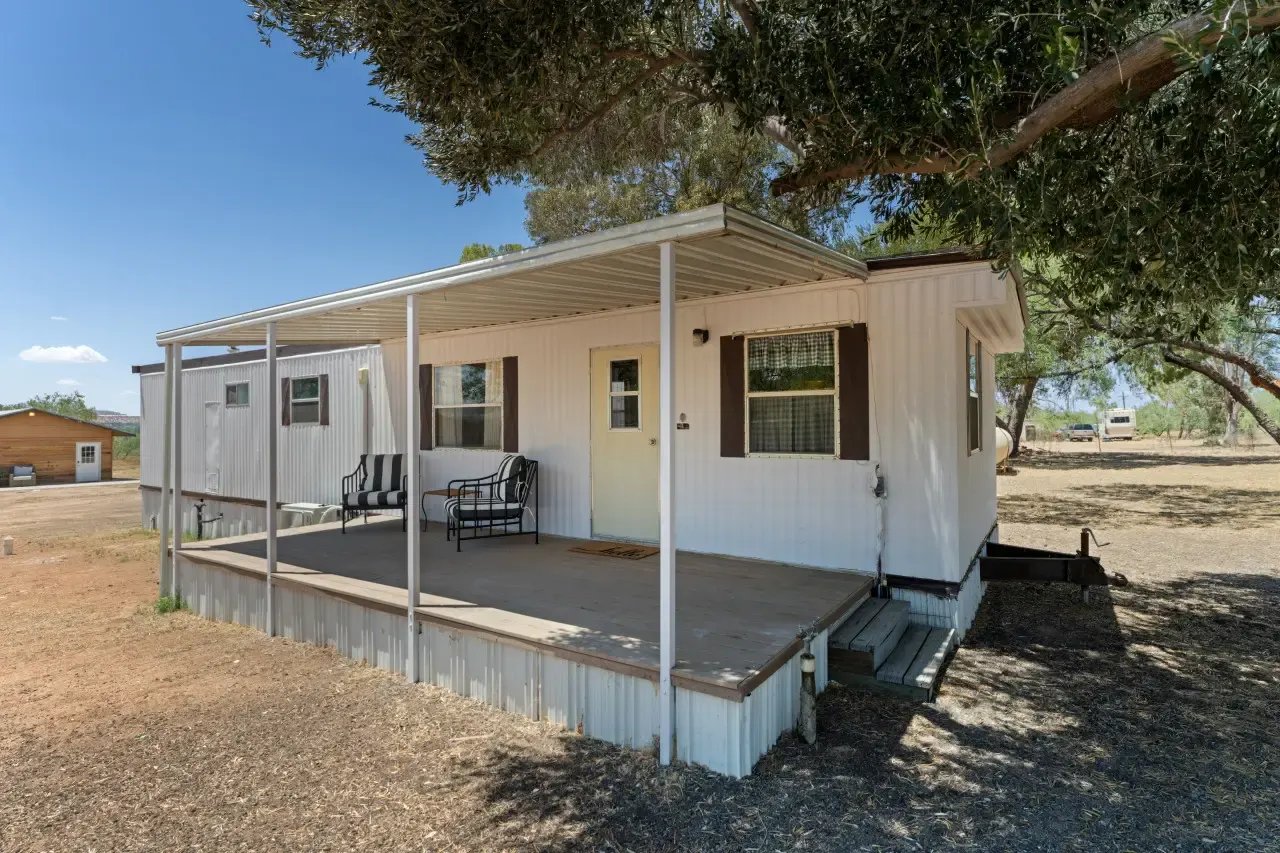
(805, 511)
(912, 322)
(939, 611)
(976, 472)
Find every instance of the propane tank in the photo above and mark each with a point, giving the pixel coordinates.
(1004, 444)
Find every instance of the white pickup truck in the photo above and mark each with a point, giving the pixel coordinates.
(1082, 432)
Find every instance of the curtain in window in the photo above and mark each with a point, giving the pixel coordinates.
(801, 424)
(468, 400)
(803, 362)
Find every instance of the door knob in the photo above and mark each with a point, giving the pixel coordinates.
(653, 442)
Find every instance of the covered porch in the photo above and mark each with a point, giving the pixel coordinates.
(682, 628)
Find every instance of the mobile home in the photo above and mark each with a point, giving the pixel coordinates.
(804, 439)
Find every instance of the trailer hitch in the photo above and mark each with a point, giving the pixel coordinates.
(1003, 562)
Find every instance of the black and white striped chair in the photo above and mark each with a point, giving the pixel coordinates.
(496, 505)
(379, 482)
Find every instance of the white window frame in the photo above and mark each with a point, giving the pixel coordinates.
(93, 453)
(294, 400)
(834, 393)
(246, 394)
(608, 403)
(501, 405)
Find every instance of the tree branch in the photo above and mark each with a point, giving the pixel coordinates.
(1137, 72)
(1259, 375)
(654, 68)
(746, 12)
(777, 131)
(1237, 393)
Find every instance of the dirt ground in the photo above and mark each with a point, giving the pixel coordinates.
(1146, 719)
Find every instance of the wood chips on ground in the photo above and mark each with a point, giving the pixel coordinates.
(1146, 720)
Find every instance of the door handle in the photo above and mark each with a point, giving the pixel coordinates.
(653, 442)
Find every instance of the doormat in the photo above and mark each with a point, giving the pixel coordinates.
(622, 550)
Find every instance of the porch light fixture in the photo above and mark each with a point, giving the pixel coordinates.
(700, 337)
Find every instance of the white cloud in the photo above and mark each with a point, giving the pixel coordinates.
(82, 354)
(68, 382)
(58, 318)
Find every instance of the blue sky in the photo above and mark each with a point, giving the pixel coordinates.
(160, 166)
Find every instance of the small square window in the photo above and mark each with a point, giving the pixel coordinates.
(624, 393)
(238, 394)
(304, 400)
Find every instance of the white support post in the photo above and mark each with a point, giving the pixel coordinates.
(178, 523)
(413, 500)
(667, 500)
(273, 474)
(166, 477)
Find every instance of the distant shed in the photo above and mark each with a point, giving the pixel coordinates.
(63, 449)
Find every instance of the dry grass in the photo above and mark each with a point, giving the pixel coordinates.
(1145, 720)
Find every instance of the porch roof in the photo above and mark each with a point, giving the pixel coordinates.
(721, 250)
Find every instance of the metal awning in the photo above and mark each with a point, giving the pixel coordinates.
(720, 251)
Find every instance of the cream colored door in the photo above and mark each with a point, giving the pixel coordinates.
(624, 443)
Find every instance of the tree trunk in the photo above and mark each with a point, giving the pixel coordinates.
(1231, 435)
(1020, 408)
(1268, 423)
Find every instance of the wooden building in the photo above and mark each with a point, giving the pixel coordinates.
(62, 449)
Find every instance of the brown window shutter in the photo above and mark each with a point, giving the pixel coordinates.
(733, 427)
(285, 399)
(425, 387)
(511, 404)
(855, 392)
(324, 399)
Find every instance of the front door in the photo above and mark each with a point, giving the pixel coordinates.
(624, 443)
(88, 461)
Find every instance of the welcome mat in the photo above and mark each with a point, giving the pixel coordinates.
(621, 550)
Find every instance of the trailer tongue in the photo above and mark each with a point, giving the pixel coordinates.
(1003, 562)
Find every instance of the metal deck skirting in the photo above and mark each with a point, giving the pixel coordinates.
(724, 731)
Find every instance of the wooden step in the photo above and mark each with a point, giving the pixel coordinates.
(865, 641)
(912, 668)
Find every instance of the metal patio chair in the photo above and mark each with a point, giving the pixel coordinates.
(494, 506)
(377, 483)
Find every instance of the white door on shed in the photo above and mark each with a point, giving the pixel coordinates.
(88, 461)
(624, 443)
(213, 448)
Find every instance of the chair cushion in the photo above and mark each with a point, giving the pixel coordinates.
(373, 500)
(482, 509)
(23, 470)
(513, 487)
(382, 470)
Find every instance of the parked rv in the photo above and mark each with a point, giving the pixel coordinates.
(1120, 424)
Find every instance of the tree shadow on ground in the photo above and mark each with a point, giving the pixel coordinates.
(1121, 504)
(1056, 729)
(1120, 460)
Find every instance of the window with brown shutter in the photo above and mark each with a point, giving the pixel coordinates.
(511, 404)
(853, 353)
(424, 409)
(802, 393)
(304, 400)
(732, 373)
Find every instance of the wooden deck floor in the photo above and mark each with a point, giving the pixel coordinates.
(736, 620)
